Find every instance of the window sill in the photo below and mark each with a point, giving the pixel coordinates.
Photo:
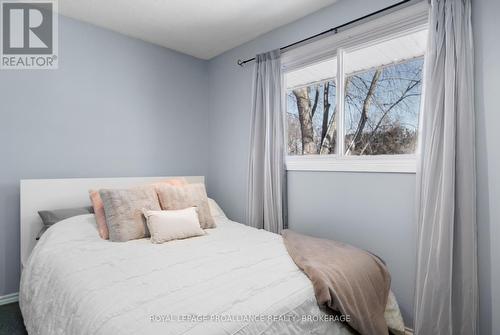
(386, 164)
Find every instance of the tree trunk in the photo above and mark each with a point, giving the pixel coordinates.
(329, 139)
(326, 111)
(315, 105)
(305, 118)
(328, 142)
(364, 112)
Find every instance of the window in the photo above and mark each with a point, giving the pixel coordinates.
(311, 102)
(359, 105)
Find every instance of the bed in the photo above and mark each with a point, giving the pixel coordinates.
(233, 280)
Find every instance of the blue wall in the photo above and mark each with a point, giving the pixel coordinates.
(486, 26)
(116, 106)
(374, 211)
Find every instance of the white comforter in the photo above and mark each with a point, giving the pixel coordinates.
(75, 283)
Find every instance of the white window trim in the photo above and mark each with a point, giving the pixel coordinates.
(380, 163)
(412, 18)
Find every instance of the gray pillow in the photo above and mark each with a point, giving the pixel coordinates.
(123, 210)
(49, 217)
(40, 233)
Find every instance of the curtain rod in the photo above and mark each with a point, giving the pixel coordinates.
(333, 30)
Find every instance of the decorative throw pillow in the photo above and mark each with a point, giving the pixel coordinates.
(123, 210)
(100, 216)
(215, 209)
(170, 225)
(98, 206)
(180, 181)
(191, 195)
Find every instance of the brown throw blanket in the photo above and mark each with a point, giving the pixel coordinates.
(348, 280)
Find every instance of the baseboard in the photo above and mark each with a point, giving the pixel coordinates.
(9, 298)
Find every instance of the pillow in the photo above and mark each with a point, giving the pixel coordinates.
(98, 206)
(40, 233)
(215, 209)
(49, 217)
(170, 225)
(191, 195)
(393, 316)
(173, 182)
(100, 216)
(123, 210)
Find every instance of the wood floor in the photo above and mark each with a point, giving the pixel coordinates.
(11, 320)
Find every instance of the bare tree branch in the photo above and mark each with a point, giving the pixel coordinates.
(404, 96)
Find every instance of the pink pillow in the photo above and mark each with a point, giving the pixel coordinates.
(173, 182)
(100, 215)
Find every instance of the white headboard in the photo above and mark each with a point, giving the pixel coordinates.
(40, 194)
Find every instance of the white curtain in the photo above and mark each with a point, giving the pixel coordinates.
(446, 294)
(266, 171)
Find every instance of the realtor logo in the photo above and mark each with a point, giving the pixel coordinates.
(29, 35)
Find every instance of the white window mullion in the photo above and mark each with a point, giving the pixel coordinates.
(284, 106)
(340, 103)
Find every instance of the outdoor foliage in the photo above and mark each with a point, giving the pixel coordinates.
(381, 112)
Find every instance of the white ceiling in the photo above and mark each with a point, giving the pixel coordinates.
(201, 28)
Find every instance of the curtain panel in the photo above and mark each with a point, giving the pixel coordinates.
(446, 293)
(266, 166)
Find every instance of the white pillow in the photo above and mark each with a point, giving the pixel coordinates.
(215, 209)
(173, 224)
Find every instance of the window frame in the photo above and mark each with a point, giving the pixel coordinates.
(399, 23)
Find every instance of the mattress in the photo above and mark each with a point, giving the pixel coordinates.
(234, 280)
